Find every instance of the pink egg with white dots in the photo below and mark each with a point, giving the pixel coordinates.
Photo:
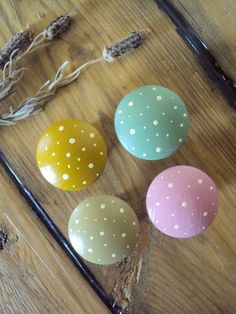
(182, 201)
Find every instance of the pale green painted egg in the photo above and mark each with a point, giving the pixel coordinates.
(103, 229)
(151, 122)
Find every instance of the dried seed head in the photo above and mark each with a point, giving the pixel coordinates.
(20, 41)
(58, 26)
(134, 40)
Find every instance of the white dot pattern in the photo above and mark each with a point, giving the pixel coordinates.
(109, 231)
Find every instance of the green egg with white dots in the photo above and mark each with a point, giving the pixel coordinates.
(103, 229)
(151, 122)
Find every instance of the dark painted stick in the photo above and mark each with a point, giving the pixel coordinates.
(59, 237)
(205, 57)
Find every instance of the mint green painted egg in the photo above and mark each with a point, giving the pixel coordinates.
(151, 122)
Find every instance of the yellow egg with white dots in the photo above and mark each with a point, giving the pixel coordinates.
(71, 154)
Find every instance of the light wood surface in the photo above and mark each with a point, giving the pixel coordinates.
(195, 275)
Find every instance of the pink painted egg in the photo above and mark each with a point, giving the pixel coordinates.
(182, 201)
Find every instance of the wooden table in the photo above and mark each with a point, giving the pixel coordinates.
(196, 275)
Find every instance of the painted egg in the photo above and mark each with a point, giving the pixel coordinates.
(103, 229)
(151, 122)
(71, 154)
(182, 201)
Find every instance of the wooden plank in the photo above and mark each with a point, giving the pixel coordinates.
(215, 22)
(177, 276)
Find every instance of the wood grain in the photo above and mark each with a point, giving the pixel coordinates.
(177, 276)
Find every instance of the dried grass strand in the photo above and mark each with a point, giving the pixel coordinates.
(35, 104)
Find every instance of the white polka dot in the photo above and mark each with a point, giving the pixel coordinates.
(94, 144)
(72, 140)
(102, 233)
(77, 221)
(99, 259)
(90, 250)
(47, 134)
(147, 140)
(58, 163)
(127, 246)
(105, 219)
(132, 131)
(199, 181)
(91, 165)
(180, 140)
(203, 227)
(185, 233)
(113, 235)
(77, 168)
(82, 131)
(97, 174)
(133, 148)
(172, 215)
(130, 104)
(157, 134)
(78, 159)
(189, 186)
(212, 203)
(176, 226)
(197, 197)
(167, 135)
(171, 121)
(120, 111)
(144, 155)
(58, 142)
(65, 176)
(123, 235)
(83, 149)
(67, 155)
(113, 255)
(68, 166)
(170, 185)
(184, 204)
(147, 107)
(167, 197)
(105, 244)
(163, 113)
(156, 221)
(175, 107)
(91, 238)
(162, 177)
(181, 125)
(114, 220)
(134, 223)
(158, 149)
(155, 122)
(75, 125)
(87, 205)
(85, 218)
(53, 154)
(205, 213)
(159, 97)
(101, 153)
(102, 206)
(121, 122)
(157, 204)
(73, 186)
(211, 187)
(140, 94)
(46, 148)
(129, 116)
(122, 210)
(141, 114)
(185, 115)
(91, 135)
(144, 127)
(95, 219)
(61, 128)
(84, 182)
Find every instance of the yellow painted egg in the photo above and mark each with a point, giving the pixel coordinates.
(71, 154)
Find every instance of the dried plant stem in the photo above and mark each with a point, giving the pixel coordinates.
(11, 75)
(36, 103)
